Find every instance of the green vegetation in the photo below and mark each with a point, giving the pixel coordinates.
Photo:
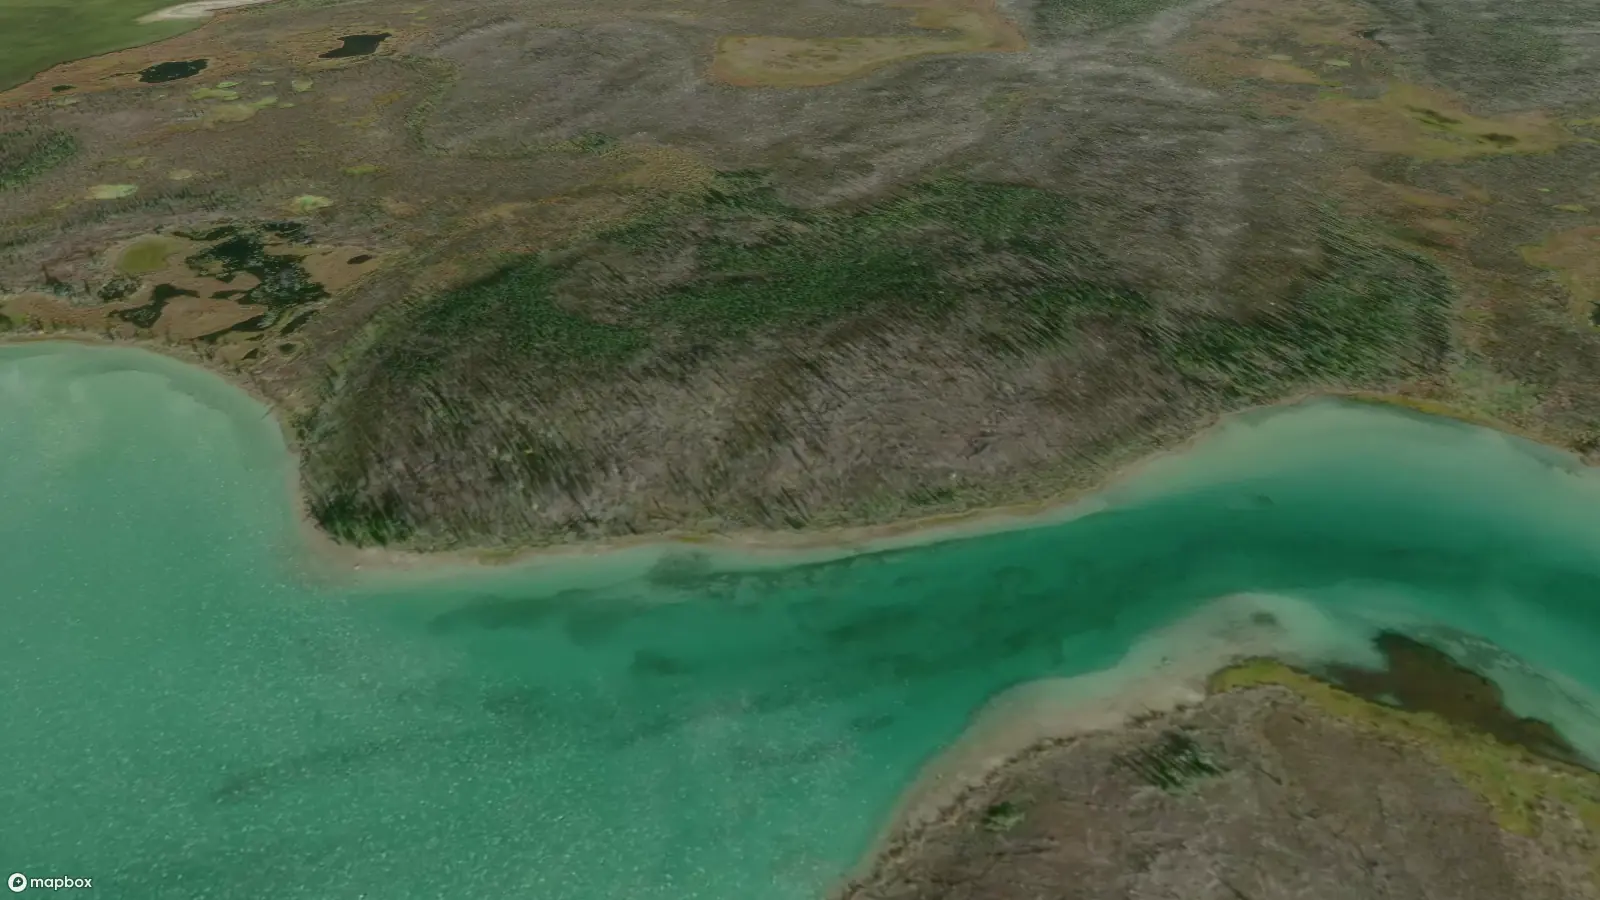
(1072, 17)
(1515, 45)
(44, 33)
(351, 516)
(147, 255)
(1003, 271)
(594, 142)
(1172, 763)
(1372, 312)
(1002, 817)
(28, 153)
(1009, 254)
(762, 266)
(308, 203)
(112, 191)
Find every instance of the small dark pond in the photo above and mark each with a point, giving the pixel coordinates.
(172, 71)
(356, 45)
(146, 316)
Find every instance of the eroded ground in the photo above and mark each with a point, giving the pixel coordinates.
(1278, 786)
(528, 273)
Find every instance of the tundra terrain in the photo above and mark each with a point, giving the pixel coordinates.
(522, 273)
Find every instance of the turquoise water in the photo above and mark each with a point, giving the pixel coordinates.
(191, 710)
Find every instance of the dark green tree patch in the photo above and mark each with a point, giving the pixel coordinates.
(1004, 272)
(1172, 763)
(28, 153)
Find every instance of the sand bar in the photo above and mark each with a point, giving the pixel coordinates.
(197, 9)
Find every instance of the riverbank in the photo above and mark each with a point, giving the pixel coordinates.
(1226, 652)
(1166, 672)
(686, 732)
(742, 549)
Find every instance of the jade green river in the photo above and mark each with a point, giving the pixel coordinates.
(192, 705)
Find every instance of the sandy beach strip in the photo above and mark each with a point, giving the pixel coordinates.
(742, 549)
(1164, 671)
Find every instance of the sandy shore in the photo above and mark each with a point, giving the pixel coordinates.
(199, 9)
(1165, 671)
(748, 548)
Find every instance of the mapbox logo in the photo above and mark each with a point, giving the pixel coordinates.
(19, 882)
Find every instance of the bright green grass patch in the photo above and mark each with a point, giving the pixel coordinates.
(112, 191)
(147, 255)
(39, 34)
(29, 153)
(307, 204)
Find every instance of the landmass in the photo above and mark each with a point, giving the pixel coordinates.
(1279, 784)
(526, 274)
(517, 275)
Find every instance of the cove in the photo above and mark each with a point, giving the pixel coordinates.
(192, 708)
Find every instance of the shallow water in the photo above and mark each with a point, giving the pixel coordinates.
(191, 712)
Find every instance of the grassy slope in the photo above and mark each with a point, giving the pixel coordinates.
(27, 154)
(1001, 267)
(38, 34)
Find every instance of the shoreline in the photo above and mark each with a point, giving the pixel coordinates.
(196, 9)
(756, 548)
(1167, 670)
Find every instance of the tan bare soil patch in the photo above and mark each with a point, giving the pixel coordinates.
(1574, 255)
(191, 318)
(811, 62)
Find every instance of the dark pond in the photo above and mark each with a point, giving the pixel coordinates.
(146, 316)
(356, 45)
(172, 71)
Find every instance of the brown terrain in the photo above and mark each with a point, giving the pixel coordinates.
(539, 272)
(1276, 787)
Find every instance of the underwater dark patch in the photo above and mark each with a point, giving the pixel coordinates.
(1422, 678)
